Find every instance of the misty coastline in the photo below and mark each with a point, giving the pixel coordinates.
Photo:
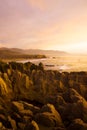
(67, 63)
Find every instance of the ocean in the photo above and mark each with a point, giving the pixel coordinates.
(63, 63)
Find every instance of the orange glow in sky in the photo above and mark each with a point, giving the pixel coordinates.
(44, 24)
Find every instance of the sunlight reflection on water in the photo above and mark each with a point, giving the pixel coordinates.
(63, 63)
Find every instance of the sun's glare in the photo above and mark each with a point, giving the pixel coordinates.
(80, 47)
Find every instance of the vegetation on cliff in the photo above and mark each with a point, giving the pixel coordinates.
(17, 54)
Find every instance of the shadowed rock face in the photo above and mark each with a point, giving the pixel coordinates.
(48, 116)
(37, 99)
(77, 124)
(31, 126)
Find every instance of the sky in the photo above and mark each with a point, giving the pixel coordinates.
(44, 24)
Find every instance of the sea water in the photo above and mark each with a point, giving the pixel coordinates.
(63, 63)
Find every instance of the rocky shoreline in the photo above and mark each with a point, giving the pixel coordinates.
(32, 98)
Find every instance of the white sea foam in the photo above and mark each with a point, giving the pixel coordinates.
(63, 63)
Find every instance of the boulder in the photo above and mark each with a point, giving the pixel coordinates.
(75, 110)
(27, 119)
(3, 87)
(26, 113)
(31, 107)
(16, 117)
(55, 99)
(48, 116)
(31, 126)
(47, 119)
(2, 127)
(72, 96)
(21, 126)
(77, 124)
(12, 122)
(17, 106)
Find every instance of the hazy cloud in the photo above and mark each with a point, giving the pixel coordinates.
(43, 23)
(40, 4)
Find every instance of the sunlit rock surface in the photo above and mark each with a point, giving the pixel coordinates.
(32, 98)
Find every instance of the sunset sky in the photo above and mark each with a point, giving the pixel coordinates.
(44, 24)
